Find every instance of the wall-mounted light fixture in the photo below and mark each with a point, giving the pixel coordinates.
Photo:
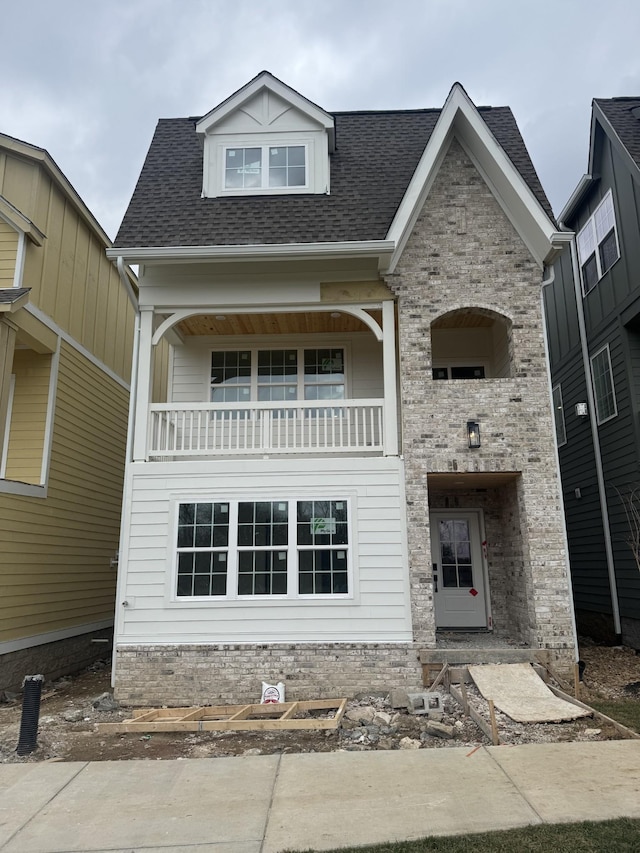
(473, 433)
(581, 410)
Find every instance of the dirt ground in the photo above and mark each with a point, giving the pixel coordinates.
(67, 727)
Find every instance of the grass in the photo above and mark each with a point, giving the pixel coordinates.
(625, 711)
(610, 836)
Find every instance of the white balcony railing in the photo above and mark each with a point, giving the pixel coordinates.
(211, 429)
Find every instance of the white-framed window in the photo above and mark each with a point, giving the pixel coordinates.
(265, 167)
(558, 416)
(295, 373)
(603, 387)
(241, 549)
(598, 247)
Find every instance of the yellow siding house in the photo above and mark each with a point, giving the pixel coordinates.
(66, 331)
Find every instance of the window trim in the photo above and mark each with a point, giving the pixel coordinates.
(292, 596)
(265, 188)
(558, 409)
(599, 352)
(590, 224)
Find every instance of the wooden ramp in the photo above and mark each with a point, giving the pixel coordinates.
(519, 692)
(216, 718)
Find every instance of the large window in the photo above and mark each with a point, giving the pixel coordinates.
(272, 375)
(266, 167)
(558, 416)
(243, 549)
(598, 244)
(603, 385)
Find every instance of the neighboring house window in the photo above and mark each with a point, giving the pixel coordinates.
(598, 248)
(265, 167)
(241, 549)
(603, 385)
(239, 376)
(558, 416)
(460, 372)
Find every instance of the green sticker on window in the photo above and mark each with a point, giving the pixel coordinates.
(323, 525)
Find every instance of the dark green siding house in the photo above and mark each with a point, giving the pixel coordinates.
(593, 322)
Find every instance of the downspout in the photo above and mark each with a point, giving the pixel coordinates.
(595, 435)
(135, 356)
(567, 565)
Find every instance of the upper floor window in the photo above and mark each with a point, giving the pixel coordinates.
(240, 376)
(265, 167)
(598, 248)
(603, 389)
(558, 416)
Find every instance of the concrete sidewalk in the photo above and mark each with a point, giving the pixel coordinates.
(265, 804)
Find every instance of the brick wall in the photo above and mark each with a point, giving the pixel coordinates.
(233, 674)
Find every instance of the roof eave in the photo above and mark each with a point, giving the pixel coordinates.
(380, 249)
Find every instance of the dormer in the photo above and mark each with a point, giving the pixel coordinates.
(266, 139)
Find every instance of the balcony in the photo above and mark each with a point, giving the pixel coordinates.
(235, 429)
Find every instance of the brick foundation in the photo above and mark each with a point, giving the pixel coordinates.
(231, 674)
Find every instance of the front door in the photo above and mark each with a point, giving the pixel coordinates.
(458, 570)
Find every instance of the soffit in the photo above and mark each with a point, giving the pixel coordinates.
(313, 322)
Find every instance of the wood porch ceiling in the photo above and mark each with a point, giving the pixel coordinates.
(302, 323)
(463, 481)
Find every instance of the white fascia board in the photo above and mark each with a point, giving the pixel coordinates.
(17, 220)
(267, 81)
(460, 118)
(575, 199)
(381, 249)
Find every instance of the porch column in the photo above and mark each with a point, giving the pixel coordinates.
(143, 390)
(7, 347)
(390, 413)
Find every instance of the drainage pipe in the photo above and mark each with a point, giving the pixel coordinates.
(32, 690)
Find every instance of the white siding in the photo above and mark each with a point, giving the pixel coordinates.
(377, 612)
(191, 368)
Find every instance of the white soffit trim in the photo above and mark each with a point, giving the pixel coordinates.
(16, 219)
(460, 118)
(265, 80)
(381, 249)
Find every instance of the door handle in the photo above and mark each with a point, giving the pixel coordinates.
(435, 577)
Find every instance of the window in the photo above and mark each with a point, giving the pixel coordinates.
(558, 416)
(603, 385)
(244, 549)
(265, 167)
(598, 244)
(462, 372)
(273, 375)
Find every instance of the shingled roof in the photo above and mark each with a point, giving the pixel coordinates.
(376, 156)
(624, 116)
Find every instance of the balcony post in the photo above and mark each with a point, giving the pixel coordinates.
(143, 392)
(390, 417)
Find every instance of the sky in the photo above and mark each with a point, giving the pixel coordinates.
(88, 79)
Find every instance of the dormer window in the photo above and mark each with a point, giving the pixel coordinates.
(266, 139)
(265, 167)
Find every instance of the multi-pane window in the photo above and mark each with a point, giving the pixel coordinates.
(288, 374)
(263, 534)
(203, 540)
(598, 244)
(287, 548)
(558, 416)
(455, 553)
(603, 389)
(322, 534)
(265, 167)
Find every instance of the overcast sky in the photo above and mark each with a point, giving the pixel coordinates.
(88, 80)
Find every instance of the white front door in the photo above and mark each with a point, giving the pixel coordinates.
(458, 570)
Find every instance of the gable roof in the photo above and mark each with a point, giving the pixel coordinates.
(375, 159)
(619, 118)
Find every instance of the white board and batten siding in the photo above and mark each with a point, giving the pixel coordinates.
(191, 362)
(377, 608)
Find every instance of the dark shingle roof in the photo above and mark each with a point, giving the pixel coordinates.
(12, 294)
(376, 156)
(624, 116)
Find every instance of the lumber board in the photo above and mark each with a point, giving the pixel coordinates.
(480, 722)
(268, 717)
(626, 732)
